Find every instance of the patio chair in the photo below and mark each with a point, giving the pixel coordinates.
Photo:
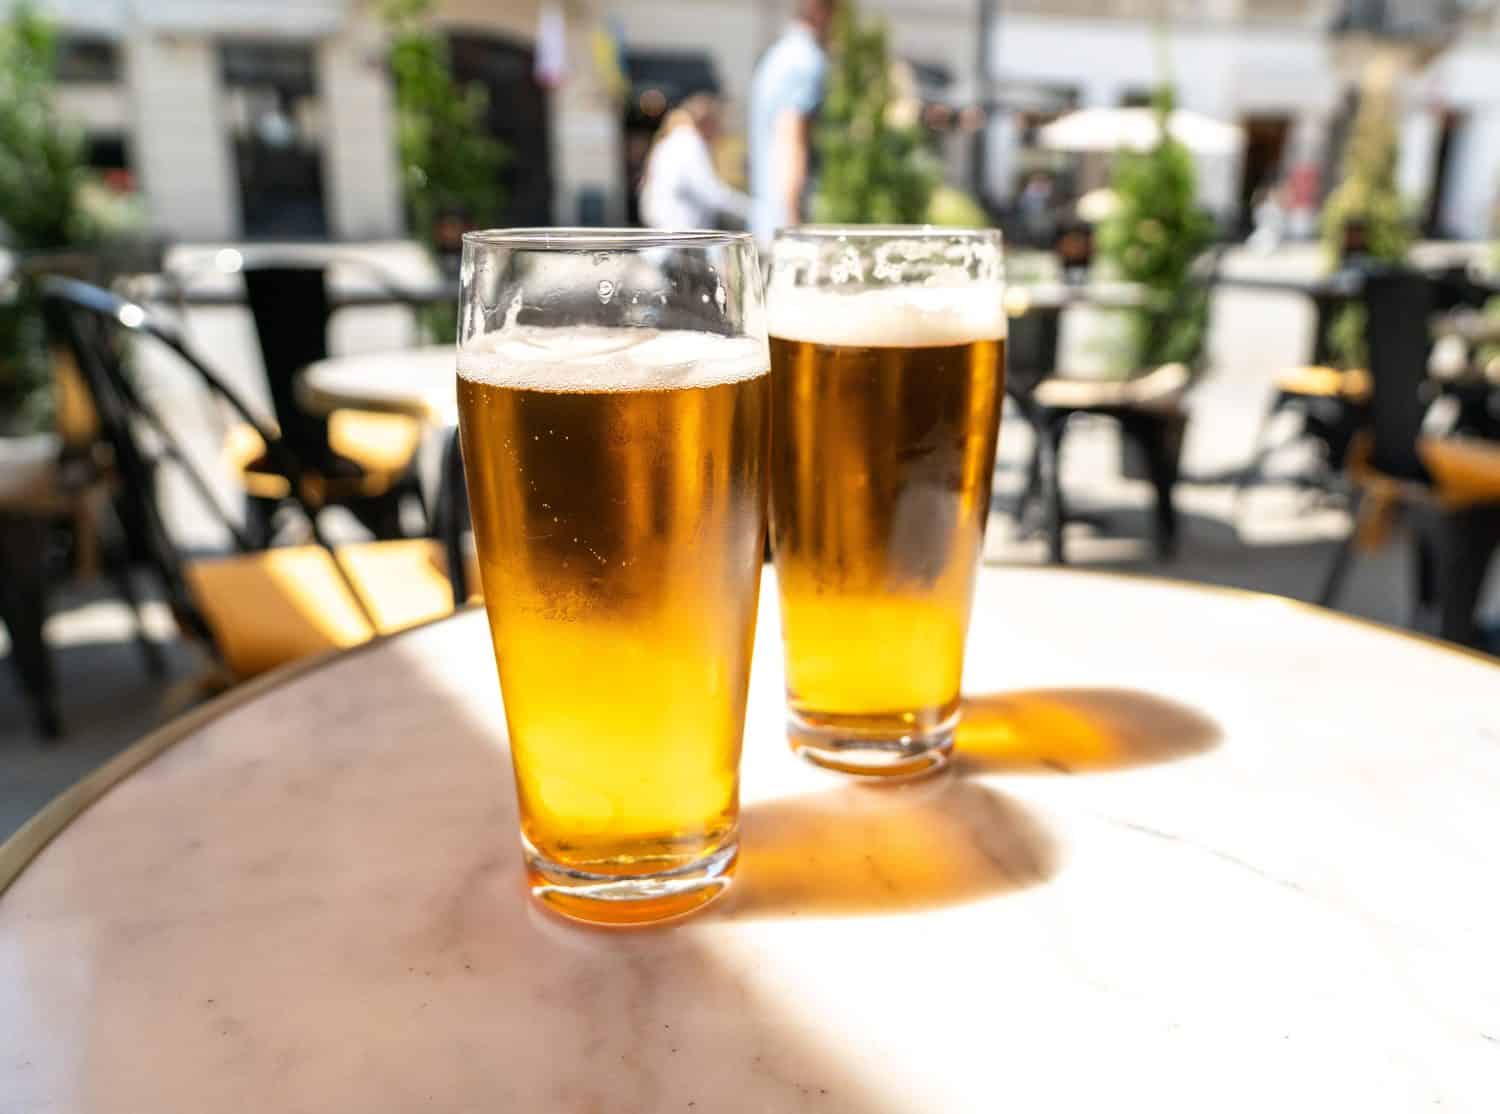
(57, 516)
(356, 459)
(1448, 490)
(256, 608)
(1329, 401)
(1147, 408)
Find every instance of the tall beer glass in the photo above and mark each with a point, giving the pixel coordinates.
(888, 372)
(614, 406)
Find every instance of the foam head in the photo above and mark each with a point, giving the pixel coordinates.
(610, 359)
(888, 317)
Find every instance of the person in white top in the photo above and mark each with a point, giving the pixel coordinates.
(680, 188)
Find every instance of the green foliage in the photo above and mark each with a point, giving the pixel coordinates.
(41, 159)
(1367, 195)
(450, 164)
(41, 168)
(1156, 232)
(873, 169)
(953, 208)
(1491, 353)
(1366, 206)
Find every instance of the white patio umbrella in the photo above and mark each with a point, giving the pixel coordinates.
(1135, 129)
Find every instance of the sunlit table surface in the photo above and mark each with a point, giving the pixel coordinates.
(1202, 851)
(416, 381)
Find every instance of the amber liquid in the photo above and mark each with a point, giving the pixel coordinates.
(620, 536)
(881, 465)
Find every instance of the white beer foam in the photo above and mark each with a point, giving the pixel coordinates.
(605, 359)
(890, 317)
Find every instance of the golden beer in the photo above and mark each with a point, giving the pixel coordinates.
(617, 489)
(885, 424)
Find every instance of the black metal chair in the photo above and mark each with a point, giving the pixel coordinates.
(258, 607)
(354, 459)
(1146, 407)
(1455, 534)
(1329, 401)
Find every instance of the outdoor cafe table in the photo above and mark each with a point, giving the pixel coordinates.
(414, 381)
(1203, 850)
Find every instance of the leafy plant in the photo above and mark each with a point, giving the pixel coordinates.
(1155, 233)
(41, 168)
(1364, 214)
(450, 165)
(873, 169)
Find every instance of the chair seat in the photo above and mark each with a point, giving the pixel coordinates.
(1314, 381)
(380, 446)
(1465, 470)
(272, 607)
(376, 442)
(1158, 389)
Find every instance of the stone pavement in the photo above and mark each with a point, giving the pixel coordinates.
(1280, 544)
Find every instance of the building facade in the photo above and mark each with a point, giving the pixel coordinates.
(243, 119)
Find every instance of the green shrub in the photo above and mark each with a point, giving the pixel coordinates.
(872, 168)
(1155, 233)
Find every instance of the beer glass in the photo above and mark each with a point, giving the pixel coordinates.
(614, 409)
(887, 377)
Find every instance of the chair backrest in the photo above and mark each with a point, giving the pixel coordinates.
(89, 321)
(1031, 348)
(93, 323)
(1399, 303)
(290, 305)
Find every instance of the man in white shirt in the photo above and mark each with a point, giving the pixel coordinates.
(784, 97)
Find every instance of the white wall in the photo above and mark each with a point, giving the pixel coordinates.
(362, 184)
(179, 147)
(1467, 78)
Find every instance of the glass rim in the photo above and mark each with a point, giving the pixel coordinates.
(578, 238)
(885, 232)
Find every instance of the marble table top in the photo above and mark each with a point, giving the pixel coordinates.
(420, 382)
(1202, 851)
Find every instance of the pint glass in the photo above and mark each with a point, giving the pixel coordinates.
(888, 372)
(614, 405)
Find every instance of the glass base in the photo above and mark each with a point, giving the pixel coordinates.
(609, 899)
(871, 748)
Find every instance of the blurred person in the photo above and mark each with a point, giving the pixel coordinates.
(680, 188)
(1037, 206)
(1269, 216)
(785, 94)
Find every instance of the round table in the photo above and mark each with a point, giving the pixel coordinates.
(415, 381)
(1203, 850)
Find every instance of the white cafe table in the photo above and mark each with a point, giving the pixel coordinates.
(419, 382)
(1203, 851)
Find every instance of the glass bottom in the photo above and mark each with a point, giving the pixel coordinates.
(612, 899)
(873, 746)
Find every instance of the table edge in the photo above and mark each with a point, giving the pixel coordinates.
(318, 400)
(17, 852)
(31, 838)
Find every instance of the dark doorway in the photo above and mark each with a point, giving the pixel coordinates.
(276, 127)
(1434, 224)
(518, 117)
(1265, 149)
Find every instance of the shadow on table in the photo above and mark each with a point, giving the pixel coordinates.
(886, 849)
(1076, 730)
